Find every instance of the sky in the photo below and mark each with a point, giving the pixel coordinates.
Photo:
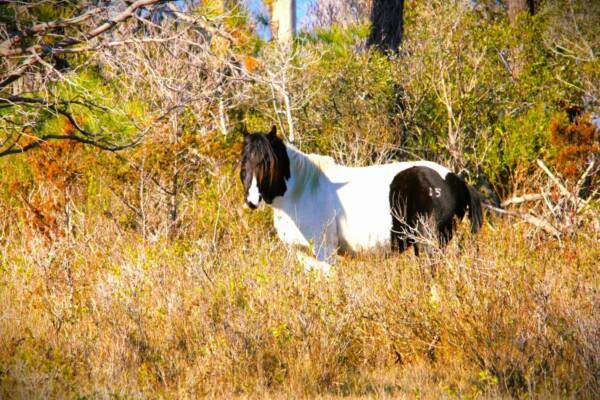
(256, 7)
(301, 9)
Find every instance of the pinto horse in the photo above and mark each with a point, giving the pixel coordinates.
(332, 207)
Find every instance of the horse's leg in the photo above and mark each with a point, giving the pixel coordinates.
(445, 232)
(421, 228)
(310, 263)
(400, 242)
(400, 235)
(416, 248)
(324, 248)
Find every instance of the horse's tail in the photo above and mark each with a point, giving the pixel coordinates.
(475, 209)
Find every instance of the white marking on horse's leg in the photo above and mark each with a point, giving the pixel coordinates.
(253, 193)
(312, 264)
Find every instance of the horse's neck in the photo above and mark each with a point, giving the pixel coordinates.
(305, 173)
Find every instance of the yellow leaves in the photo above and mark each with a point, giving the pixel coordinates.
(241, 37)
(251, 63)
(280, 332)
(220, 45)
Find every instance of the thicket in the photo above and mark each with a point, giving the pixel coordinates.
(138, 273)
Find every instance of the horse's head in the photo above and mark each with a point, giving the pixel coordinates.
(265, 167)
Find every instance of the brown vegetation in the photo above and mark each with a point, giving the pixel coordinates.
(138, 274)
(229, 312)
(578, 142)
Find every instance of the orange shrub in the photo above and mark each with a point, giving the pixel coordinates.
(577, 142)
(55, 168)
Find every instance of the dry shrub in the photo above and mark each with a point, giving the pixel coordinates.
(226, 311)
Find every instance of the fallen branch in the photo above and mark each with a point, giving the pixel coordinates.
(538, 222)
(554, 179)
(522, 199)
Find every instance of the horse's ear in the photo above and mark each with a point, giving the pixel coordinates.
(245, 131)
(273, 133)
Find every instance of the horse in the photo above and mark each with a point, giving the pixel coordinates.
(331, 207)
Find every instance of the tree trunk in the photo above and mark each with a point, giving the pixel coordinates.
(517, 57)
(517, 6)
(283, 19)
(387, 24)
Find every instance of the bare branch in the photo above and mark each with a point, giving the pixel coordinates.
(554, 179)
(5, 46)
(540, 223)
(52, 106)
(201, 22)
(522, 199)
(126, 14)
(15, 149)
(39, 51)
(116, 43)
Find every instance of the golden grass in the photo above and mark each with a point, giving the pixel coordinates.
(226, 311)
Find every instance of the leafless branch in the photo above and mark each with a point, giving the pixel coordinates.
(522, 199)
(55, 107)
(554, 179)
(6, 49)
(565, 208)
(38, 51)
(536, 221)
(16, 149)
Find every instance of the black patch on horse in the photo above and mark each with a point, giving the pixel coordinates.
(265, 156)
(420, 199)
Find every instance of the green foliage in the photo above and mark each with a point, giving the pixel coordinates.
(518, 141)
(338, 41)
(469, 90)
(91, 99)
(17, 15)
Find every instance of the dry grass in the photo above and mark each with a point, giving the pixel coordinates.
(227, 311)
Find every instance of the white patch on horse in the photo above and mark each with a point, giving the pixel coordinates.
(308, 169)
(253, 192)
